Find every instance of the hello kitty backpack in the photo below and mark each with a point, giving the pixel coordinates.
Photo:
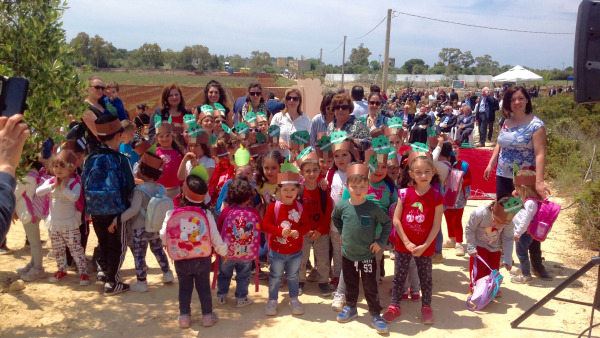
(188, 234)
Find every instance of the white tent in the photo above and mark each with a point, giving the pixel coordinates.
(516, 74)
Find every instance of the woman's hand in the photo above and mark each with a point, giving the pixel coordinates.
(283, 145)
(542, 189)
(487, 172)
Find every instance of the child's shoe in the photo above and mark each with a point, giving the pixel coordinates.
(58, 275)
(139, 286)
(313, 276)
(449, 243)
(392, 313)
(324, 289)
(515, 272)
(300, 288)
(296, 306)
(271, 309)
(25, 269)
(521, 279)
(347, 314)
(339, 301)
(115, 288)
(459, 250)
(404, 295)
(437, 258)
(84, 279)
(168, 277)
(4, 250)
(210, 319)
(427, 314)
(184, 321)
(241, 302)
(221, 300)
(379, 324)
(33, 274)
(415, 296)
(101, 277)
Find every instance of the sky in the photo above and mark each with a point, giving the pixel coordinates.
(302, 28)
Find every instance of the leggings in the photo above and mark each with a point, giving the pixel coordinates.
(68, 238)
(424, 271)
(32, 230)
(337, 251)
(141, 239)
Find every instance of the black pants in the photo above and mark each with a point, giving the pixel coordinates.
(353, 272)
(491, 123)
(84, 229)
(112, 246)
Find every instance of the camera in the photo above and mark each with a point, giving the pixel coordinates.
(13, 95)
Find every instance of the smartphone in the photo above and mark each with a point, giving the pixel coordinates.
(13, 96)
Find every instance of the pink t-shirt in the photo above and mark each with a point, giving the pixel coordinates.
(172, 160)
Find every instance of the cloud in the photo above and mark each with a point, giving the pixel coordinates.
(302, 28)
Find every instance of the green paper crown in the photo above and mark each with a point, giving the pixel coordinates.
(338, 137)
(262, 114)
(274, 131)
(363, 119)
(300, 137)
(250, 117)
(373, 162)
(189, 118)
(157, 121)
(418, 146)
(513, 205)
(152, 150)
(194, 129)
(288, 167)
(381, 145)
(304, 152)
(208, 109)
(219, 106)
(261, 138)
(395, 122)
(200, 171)
(324, 143)
(241, 128)
(242, 156)
(226, 128)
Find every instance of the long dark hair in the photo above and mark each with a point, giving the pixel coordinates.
(260, 173)
(165, 98)
(222, 95)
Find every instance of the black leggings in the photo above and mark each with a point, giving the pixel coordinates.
(424, 270)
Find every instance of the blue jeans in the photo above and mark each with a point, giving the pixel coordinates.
(190, 272)
(242, 279)
(483, 127)
(288, 263)
(439, 239)
(523, 253)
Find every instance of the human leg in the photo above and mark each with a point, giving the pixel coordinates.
(321, 252)
(368, 272)
(201, 273)
(308, 243)
(140, 247)
(159, 252)
(58, 247)
(351, 278)
(277, 267)
(72, 239)
(292, 266)
(522, 249)
(242, 278)
(483, 126)
(424, 270)
(32, 230)
(186, 286)
(401, 263)
(224, 277)
(337, 251)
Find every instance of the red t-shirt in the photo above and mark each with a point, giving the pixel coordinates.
(311, 200)
(289, 216)
(418, 213)
(172, 160)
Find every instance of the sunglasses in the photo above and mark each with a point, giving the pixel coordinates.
(98, 87)
(219, 121)
(253, 130)
(375, 103)
(255, 93)
(341, 107)
(292, 98)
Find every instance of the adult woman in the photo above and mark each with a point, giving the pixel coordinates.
(419, 132)
(254, 102)
(172, 105)
(290, 119)
(214, 93)
(96, 109)
(342, 106)
(522, 140)
(320, 122)
(375, 118)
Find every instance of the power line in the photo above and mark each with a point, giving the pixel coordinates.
(369, 32)
(336, 48)
(492, 28)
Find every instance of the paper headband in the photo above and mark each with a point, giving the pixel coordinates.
(141, 148)
(152, 161)
(288, 178)
(190, 195)
(357, 169)
(109, 128)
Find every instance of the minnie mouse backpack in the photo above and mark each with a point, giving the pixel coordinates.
(188, 234)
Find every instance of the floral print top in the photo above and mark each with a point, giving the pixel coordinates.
(516, 146)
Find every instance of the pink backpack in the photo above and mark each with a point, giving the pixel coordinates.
(80, 203)
(40, 206)
(453, 186)
(188, 234)
(543, 220)
(485, 288)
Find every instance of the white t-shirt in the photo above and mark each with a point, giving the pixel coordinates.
(338, 183)
(360, 109)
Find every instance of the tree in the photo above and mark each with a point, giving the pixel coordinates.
(410, 64)
(466, 59)
(170, 58)
(196, 56)
(450, 55)
(33, 45)
(259, 61)
(81, 43)
(375, 65)
(360, 56)
(485, 64)
(99, 51)
(149, 55)
(236, 61)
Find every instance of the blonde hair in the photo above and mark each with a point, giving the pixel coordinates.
(526, 191)
(297, 91)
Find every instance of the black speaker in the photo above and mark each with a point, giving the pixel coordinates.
(587, 52)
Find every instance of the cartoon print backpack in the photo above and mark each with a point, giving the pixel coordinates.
(485, 288)
(453, 186)
(104, 184)
(188, 234)
(40, 206)
(543, 220)
(156, 210)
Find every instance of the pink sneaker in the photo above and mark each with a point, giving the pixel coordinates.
(405, 295)
(184, 321)
(415, 296)
(427, 314)
(210, 320)
(392, 313)
(58, 275)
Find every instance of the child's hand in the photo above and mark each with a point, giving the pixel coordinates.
(283, 145)
(295, 233)
(112, 228)
(323, 184)
(286, 232)
(315, 235)
(189, 156)
(516, 239)
(225, 259)
(409, 246)
(138, 181)
(375, 247)
(418, 251)
(507, 267)
(474, 255)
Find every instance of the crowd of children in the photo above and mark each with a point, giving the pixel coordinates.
(232, 191)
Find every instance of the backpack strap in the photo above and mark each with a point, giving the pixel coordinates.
(329, 178)
(324, 196)
(142, 210)
(277, 207)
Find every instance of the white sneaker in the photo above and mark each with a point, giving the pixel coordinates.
(339, 301)
(449, 243)
(296, 306)
(140, 286)
(33, 274)
(271, 309)
(25, 269)
(459, 250)
(168, 277)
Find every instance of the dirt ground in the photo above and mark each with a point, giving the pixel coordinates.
(44, 309)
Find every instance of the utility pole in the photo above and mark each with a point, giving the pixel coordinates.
(343, 61)
(320, 61)
(386, 57)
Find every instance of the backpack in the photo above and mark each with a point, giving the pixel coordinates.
(278, 206)
(543, 220)
(485, 288)
(39, 208)
(453, 186)
(104, 183)
(392, 210)
(465, 192)
(80, 203)
(188, 234)
(156, 210)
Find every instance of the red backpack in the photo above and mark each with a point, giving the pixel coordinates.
(80, 203)
(543, 220)
(453, 186)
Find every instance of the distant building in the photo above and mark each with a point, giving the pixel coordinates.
(299, 65)
(392, 62)
(281, 62)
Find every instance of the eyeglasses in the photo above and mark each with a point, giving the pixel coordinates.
(255, 93)
(98, 87)
(292, 98)
(375, 103)
(341, 107)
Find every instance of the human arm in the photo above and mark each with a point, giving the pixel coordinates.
(508, 242)
(539, 149)
(475, 220)
(134, 208)
(72, 194)
(163, 230)
(215, 235)
(437, 223)
(45, 188)
(89, 118)
(269, 221)
(151, 126)
(182, 171)
(524, 217)
(493, 161)
(470, 123)
(325, 220)
(336, 217)
(118, 104)
(397, 222)
(386, 227)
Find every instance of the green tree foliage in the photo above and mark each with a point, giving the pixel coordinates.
(259, 61)
(81, 43)
(409, 65)
(450, 55)
(33, 45)
(149, 56)
(194, 57)
(99, 51)
(236, 62)
(375, 66)
(359, 57)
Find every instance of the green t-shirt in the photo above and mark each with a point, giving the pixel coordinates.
(380, 194)
(357, 225)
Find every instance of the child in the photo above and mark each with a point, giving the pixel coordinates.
(198, 153)
(113, 103)
(206, 119)
(268, 167)
(287, 224)
(524, 183)
(489, 232)
(246, 173)
(149, 172)
(318, 234)
(107, 183)
(126, 142)
(172, 155)
(356, 219)
(417, 221)
(196, 271)
(63, 218)
(224, 169)
(239, 195)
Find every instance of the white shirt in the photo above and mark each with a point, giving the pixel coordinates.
(360, 109)
(288, 127)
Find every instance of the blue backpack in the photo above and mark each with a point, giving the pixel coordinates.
(104, 183)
